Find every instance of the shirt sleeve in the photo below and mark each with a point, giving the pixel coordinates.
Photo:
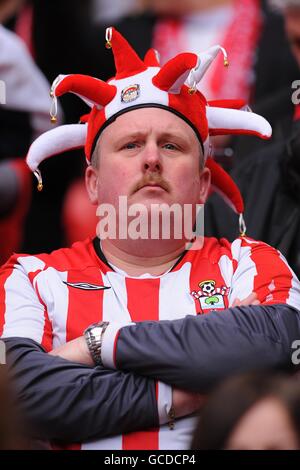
(197, 352)
(22, 313)
(263, 270)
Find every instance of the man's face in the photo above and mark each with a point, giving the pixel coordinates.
(292, 26)
(151, 156)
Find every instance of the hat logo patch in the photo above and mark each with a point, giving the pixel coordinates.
(130, 93)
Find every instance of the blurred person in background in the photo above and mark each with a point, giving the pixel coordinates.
(106, 10)
(24, 115)
(269, 178)
(251, 412)
(251, 33)
(12, 429)
(259, 58)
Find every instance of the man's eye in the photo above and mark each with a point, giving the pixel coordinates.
(170, 146)
(130, 145)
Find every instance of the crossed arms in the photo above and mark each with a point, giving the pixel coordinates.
(73, 402)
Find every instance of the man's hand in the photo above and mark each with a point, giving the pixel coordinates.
(186, 403)
(74, 351)
(252, 299)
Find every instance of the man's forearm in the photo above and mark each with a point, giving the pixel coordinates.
(197, 352)
(72, 402)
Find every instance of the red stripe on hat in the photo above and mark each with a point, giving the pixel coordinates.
(85, 306)
(142, 304)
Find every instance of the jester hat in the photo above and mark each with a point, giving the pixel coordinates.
(144, 83)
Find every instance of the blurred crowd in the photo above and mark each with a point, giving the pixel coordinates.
(40, 39)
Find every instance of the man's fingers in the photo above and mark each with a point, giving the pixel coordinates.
(236, 303)
(250, 300)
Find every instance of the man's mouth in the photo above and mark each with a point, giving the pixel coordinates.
(151, 184)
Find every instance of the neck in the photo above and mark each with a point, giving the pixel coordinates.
(136, 261)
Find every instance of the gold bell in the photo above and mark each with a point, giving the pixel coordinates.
(53, 120)
(108, 45)
(226, 62)
(40, 187)
(242, 226)
(192, 90)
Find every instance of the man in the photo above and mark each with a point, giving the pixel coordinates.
(146, 139)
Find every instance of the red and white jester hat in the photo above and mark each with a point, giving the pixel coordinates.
(143, 83)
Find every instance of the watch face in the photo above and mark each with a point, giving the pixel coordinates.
(97, 330)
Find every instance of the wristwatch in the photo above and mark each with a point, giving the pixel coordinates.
(93, 335)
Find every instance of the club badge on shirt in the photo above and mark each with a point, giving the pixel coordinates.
(210, 296)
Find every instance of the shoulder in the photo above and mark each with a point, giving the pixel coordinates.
(239, 249)
(78, 256)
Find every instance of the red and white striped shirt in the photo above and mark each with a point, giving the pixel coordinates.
(52, 298)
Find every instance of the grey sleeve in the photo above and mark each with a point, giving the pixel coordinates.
(196, 352)
(72, 402)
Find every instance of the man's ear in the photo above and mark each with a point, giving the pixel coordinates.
(91, 183)
(204, 185)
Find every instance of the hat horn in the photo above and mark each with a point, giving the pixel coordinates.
(174, 73)
(60, 139)
(91, 90)
(151, 58)
(223, 184)
(222, 121)
(127, 61)
(204, 62)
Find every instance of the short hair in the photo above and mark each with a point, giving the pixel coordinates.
(95, 158)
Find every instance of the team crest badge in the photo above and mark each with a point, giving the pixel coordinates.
(130, 93)
(210, 296)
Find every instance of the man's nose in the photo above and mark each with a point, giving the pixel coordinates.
(152, 159)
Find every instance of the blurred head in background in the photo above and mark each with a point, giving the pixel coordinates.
(252, 412)
(179, 7)
(290, 9)
(11, 427)
(8, 8)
